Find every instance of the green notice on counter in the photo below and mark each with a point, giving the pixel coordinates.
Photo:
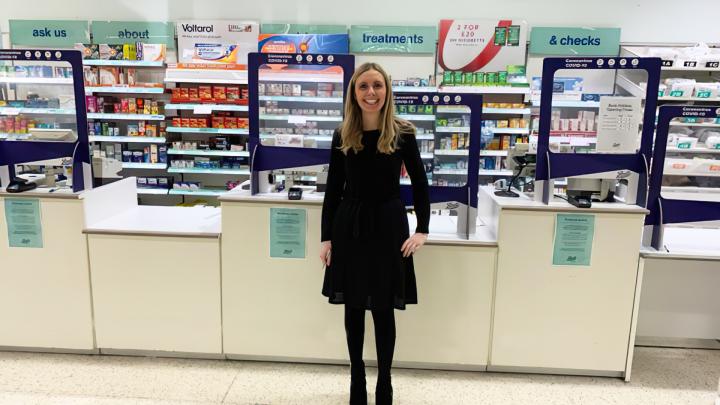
(573, 239)
(287, 232)
(23, 222)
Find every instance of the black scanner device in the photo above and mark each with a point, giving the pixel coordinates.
(18, 185)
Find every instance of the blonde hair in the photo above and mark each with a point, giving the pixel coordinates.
(390, 126)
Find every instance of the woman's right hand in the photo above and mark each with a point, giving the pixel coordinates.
(325, 248)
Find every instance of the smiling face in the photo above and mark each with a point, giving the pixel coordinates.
(370, 91)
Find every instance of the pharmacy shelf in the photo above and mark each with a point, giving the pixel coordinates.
(493, 153)
(520, 131)
(126, 139)
(194, 170)
(187, 152)
(408, 182)
(294, 119)
(425, 137)
(202, 192)
(123, 62)
(204, 108)
(633, 51)
(414, 89)
(36, 80)
(570, 104)
(445, 152)
(704, 99)
(303, 99)
(38, 111)
(452, 129)
(458, 172)
(152, 166)
(695, 150)
(692, 173)
(507, 111)
(426, 156)
(126, 89)
(695, 124)
(300, 77)
(416, 117)
(152, 191)
(142, 117)
(484, 172)
(485, 89)
(326, 138)
(631, 87)
(209, 76)
(218, 131)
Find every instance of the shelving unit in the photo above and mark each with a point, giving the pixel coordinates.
(127, 139)
(125, 90)
(147, 166)
(193, 170)
(199, 108)
(214, 131)
(208, 153)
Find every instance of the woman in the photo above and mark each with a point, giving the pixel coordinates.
(366, 246)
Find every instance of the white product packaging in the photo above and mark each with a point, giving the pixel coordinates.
(686, 142)
(706, 90)
(713, 142)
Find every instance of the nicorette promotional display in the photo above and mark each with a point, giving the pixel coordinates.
(491, 47)
(216, 41)
(303, 43)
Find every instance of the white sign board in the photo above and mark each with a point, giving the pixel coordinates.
(216, 41)
(619, 121)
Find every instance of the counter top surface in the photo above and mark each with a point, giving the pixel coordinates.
(308, 198)
(687, 243)
(43, 192)
(162, 221)
(557, 204)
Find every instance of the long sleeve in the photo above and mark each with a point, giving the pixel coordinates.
(335, 187)
(418, 179)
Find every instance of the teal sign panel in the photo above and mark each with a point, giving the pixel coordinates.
(287, 232)
(49, 33)
(392, 39)
(569, 41)
(573, 239)
(129, 32)
(302, 29)
(24, 226)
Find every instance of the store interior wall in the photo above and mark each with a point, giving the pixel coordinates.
(640, 20)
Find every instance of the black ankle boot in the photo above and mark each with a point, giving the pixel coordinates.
(383, 391)
(358, 389)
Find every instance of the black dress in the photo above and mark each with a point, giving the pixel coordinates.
(366, 221)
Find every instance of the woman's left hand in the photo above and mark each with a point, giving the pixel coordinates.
(413, 243)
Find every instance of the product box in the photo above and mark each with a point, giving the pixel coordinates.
(219, 93)
(111, 52)
(131, 75)
(193, 94)
(108, 76)
(176, 96)
(218, 122)
(89, 51)
(205, 93)
(185, 122)
(91, 104)
(153, 52)
(232, 93)
(231, 122)
(129, 52)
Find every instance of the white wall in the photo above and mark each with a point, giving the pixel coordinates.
(640, 20)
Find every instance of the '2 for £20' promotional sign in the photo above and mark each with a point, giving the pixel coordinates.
(481, 45)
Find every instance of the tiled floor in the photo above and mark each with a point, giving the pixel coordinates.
(660, 376)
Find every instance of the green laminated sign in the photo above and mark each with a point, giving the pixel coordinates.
(287, 232)
(49, 33)
(573, 239)
(569, 41)
(392, 39)
(130, 32)
(24, 226)
(302, 29)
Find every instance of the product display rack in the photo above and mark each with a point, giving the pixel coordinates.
(52, 83)
(207, 95)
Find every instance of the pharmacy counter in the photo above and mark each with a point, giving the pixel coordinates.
(679, 305)
(155, 274)
(273, 308)
(44, 281)
(555, 313)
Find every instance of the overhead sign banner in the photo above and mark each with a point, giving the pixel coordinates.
(481, 45)
(303, 43)
(24, 226)
(216, 41)
(287, 232)
(302, 29)
(573, 239)
(129, 32)
(392, 39)
(49, 33)
(571, 41)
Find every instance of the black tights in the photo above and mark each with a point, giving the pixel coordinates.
(384, 339)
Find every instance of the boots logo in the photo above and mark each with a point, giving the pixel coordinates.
(577, 41)
(197, 28)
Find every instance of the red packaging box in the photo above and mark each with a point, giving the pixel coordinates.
(124, 106)
(205, 93)
(194, 123)
(218, 122)
(232, 93)
(176, 122)
(243, 122)
(193, 94)
(185, 122)
(184, 94)
(91, 104)
(231, 122)
(219, 93)
(117, 108)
